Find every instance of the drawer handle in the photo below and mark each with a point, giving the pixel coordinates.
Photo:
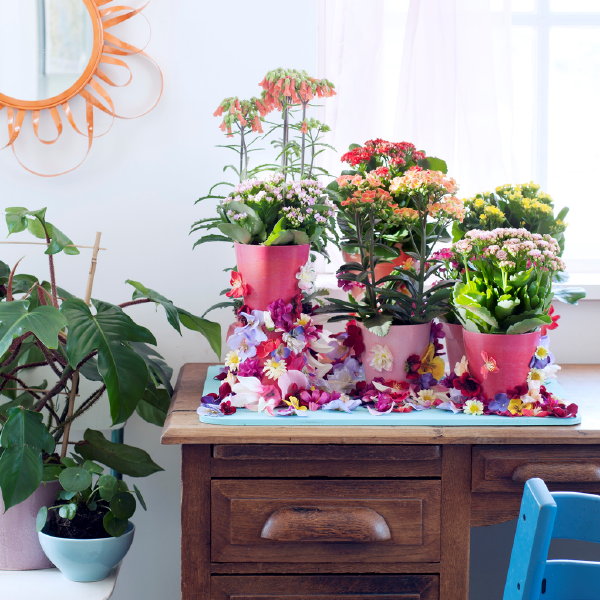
(558, 472)
(327, 524)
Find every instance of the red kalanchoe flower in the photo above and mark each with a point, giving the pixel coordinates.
(238, 287)
(468, 386)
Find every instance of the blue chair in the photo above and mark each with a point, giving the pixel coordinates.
(543, 517)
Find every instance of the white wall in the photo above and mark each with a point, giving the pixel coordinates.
(138, 188)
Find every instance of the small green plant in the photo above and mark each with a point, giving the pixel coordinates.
(89, 501)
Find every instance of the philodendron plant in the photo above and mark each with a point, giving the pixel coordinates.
(50, 340)
(90, 504)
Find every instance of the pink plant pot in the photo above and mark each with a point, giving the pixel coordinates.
(401, 342)
(512, 354)
(20, 548)
(455, 345)
(270, 272)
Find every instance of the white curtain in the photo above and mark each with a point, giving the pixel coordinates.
(433, 72)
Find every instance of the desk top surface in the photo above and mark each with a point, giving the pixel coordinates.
(581, 384)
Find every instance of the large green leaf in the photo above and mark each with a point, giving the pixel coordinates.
(527, 325)
(26, 428)
(125, 459)
(154, 405)
(45, 322)
(160, 372)
(21, 472)
(235, 232)
(211, 331)
(141, 291)
(123, 371)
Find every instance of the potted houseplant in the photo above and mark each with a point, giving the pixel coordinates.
(88, 532)
(273, 220)
(373, 166)
(59, 356)
(396, 310)
(503, 300)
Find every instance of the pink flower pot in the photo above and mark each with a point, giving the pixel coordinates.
(20, 548)
(455, 345)
(270, 272)
(512, 354)
(400, 343)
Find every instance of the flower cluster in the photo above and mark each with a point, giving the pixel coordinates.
(241, 113)
(272, 210)
(395, 157)
(291, 86)
(518, 206)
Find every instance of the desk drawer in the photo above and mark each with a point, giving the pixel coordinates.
(325, 521)
(393, 587)
(506, 468)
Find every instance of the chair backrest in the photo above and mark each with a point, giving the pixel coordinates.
(544, 516)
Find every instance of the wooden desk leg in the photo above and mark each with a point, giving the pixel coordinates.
(456, 522)
(195, 522)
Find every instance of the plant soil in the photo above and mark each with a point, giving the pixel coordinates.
(85, 526)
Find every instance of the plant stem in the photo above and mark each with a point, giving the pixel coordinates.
(285, 116)
(52, 274)
(70, 408)
(134, 302)
(60, 384)
(303, 139)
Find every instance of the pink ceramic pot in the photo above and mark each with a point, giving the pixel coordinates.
(270, 272)
(455, 345)
(512, 354)
(20, 548)
(401, 342)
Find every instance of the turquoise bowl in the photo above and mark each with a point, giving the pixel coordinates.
(87, 560)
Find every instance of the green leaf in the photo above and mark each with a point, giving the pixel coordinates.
(92, 506)
(51, 472)
(123, 371)
(379, 324)
(139, 496)
(65, 495)
(75, 479)
(125, 459)
(213, 237)
(40, 520)
(114, 526)
(25, 427)
(141, 291)
(92, 467)
(569, 295)
(123, 505)
(107, 487)
(154, 405)
(67, 461)
(235, 232)
(68, 511)
(436, 164)
(45, 322)
(211, 331)
(21, 472)
(527, 325)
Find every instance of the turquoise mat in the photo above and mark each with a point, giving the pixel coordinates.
(432, 417)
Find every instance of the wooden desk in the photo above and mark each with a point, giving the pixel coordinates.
(326, 513)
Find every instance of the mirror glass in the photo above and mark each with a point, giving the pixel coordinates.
(45, 46)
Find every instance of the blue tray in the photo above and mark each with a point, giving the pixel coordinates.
(361, 416)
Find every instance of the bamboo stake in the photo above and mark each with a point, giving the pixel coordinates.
(46, 244)
(75, 376)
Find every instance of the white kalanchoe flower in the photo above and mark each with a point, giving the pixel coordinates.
(462, 366)
(232, 360)
(381, 358)
(473, 407)
(306, 277)
(274, 369)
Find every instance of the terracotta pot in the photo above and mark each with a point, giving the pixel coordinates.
(455, 345)
(20, 548)
(270, 272)
(512, 354)
(401, 342)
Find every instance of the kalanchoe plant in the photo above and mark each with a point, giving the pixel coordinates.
(288, 92)
(402, 297)
(50, 342)
(506, 285)
(373, 167)
(90, 503)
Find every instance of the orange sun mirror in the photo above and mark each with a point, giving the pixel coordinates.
(52, 51)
